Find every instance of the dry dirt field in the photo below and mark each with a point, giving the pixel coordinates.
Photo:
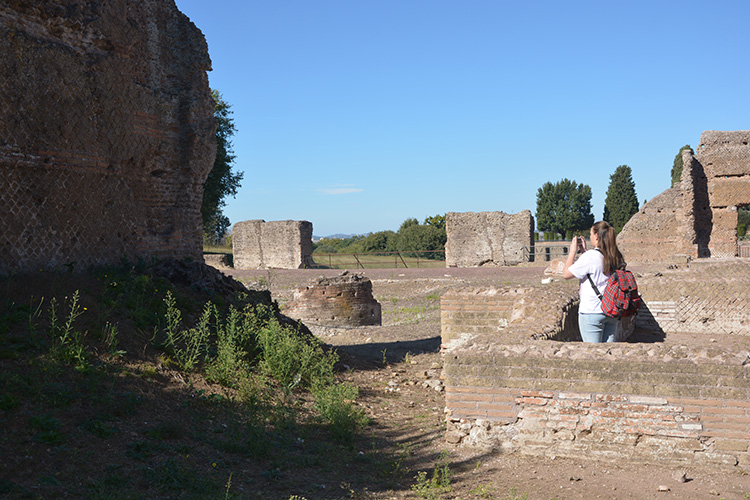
(397, 367)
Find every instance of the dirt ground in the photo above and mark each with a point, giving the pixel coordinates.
(397, 367)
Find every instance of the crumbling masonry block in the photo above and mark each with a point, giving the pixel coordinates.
(487, 238)
(258, 244)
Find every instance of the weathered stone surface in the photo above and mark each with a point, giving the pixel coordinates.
(219, 261)
(699, 216)
(487, 238)
(258, 244)
(344, 300)
(656, 231)
(106, 132)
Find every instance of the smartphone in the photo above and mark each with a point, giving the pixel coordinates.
(580, 243)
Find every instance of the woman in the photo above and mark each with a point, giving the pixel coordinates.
(598, 263)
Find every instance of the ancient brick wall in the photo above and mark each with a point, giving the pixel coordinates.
(711, 296)
(106, 132)
(547, 311)
(506, 388)
(487, 238)
(698, 217)
(645, 402)
(258, 244)
(725, 157)
(657, 231)
(340, 301)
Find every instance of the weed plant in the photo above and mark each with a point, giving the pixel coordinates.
(335, 403)
(434, 487)
(265, 388)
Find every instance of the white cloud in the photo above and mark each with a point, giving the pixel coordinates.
(340, 190)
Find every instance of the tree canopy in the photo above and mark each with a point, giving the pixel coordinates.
(743, 221)
(677, 165)
(411, 236)
(564, 207)
(221, 181)
(621, 202)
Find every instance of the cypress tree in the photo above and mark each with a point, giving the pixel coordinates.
(677, 165)
(621, 202)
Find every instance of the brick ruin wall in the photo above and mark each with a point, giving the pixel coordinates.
(339, 301)
(487, 238)
(698, 217)
(514, 381)
(106, 132)
(258, 244)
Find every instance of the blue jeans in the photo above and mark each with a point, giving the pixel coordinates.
(597, 328)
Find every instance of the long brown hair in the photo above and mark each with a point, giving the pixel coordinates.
(613, 259)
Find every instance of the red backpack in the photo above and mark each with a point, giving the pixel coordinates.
(621, 297)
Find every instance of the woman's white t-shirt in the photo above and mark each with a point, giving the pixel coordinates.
(590, 262)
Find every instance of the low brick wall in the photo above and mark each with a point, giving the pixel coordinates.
(515, 382)
(467, 312)
(710, 296)
(648, 402)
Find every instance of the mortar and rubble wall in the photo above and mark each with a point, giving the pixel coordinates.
(257, 244)
(697, 217)
(515, 381)
(339, 301)
(106, 133)
(477, 239)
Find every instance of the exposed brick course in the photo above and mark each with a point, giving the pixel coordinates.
(341, 301)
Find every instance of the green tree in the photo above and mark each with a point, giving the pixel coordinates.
(436, 220)
(564, 207)
(621, 202)
(378, 242)
(677, 165)
(221, 181)
(743, 221)
(421, 238)
(411, 221)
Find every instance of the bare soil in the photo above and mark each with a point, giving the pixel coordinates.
(397, 367)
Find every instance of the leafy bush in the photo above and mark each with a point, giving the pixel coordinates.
(335, 403)
(294, 360)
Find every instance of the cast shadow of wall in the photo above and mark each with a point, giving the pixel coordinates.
(646, 328)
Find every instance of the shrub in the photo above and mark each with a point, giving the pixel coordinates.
(292, 359)
(335, 403)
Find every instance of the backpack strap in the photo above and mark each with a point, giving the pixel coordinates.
(596, 290)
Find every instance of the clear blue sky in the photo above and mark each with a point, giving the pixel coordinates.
(358, 114)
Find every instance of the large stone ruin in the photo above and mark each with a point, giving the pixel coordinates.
(487, 238)
(340, 301)
(258, 244)
(697, 217)
(106, 133)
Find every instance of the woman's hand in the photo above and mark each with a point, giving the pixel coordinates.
(575, 246)
(572, 250)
